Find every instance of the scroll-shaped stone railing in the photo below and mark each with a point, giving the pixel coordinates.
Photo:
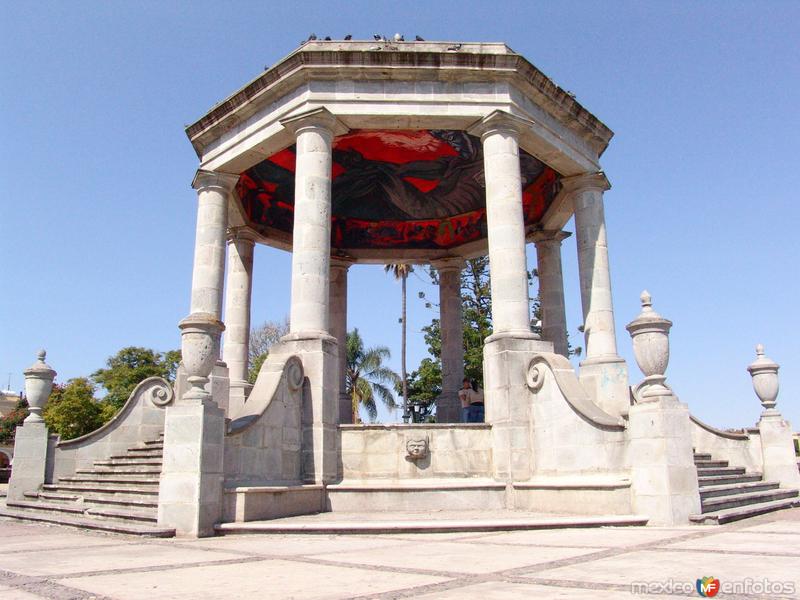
(140, 418)
(571, 434)
(263, 444)
(571, 389)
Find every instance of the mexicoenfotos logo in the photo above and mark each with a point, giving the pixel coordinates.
(708, 587)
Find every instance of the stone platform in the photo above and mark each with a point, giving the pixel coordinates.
(39, 561)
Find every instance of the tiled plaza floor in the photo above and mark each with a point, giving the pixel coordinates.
(39, 561)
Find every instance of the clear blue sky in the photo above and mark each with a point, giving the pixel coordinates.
(98, 216)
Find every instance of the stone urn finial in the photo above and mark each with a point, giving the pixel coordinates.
(200, 336)
(38, 385)
(765, 380)
(650, 335)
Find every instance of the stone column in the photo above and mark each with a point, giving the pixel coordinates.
(309, 335)
(190, 490)
(238, 293)
(512, 345)
(603, 372)
(551, 288)
(448, 406)
(338, 324)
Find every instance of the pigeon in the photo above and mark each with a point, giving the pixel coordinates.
(348, 37)
(398, 37)
(327, 38)
(419, 38)
(312, 37)
(377, 37)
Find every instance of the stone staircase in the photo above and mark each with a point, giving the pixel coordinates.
(118, 495)
(730, 493)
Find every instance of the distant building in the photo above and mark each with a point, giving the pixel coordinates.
(8, 401)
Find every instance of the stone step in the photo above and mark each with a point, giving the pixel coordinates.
(102, 488)
(720, 517)
(130, 462)
(111, 478)
(144, 452)
(122, 470)
(105, 524)
(143, 515)
(707, 472)
(723, 479)
(710, 463)
(131, 500)
(701, 456)
(712, 491)
(745, 499)
(332, 525)
(79, 508)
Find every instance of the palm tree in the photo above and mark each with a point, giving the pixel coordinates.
(367, 377)
(401, 271)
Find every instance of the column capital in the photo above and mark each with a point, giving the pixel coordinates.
(341, 262)
(545, 236)
(448, 264)
(245, 234)
(498, 121)
(210, 179)
(319, 118)
(585, 182)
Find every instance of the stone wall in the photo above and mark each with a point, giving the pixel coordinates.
(380, 451)
(140, 419)
(740, 449)
(263, 444)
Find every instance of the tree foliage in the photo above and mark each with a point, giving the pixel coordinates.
(367, 378)
(9, 423)
(262, 338)
(129, 367)
(73, 411)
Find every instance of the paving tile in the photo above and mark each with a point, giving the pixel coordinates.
(63, 562)
(455, 557)
(659, 566)
(744, 541)
(277, 579)
(504, 590)
(782, 526)
(606, 537)
(285, 545)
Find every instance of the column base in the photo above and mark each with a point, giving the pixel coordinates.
(190, 491)
(505, 366)
(320, 442)
(663, 474)
(239, 391)
(30, 460)
(777, 450)
(605, 379)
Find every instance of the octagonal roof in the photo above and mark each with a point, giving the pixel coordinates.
(407, 176)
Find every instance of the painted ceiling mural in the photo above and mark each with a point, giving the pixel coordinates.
(396, 189)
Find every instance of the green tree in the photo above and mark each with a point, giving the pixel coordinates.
(262, 338)
(401, 271)
(9, 423)
(72, 410)
(367, 378)
(129, 367)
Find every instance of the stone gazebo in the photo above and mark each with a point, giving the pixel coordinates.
(418, 152)
(405, 152)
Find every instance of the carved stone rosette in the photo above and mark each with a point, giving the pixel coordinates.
(650, 335)
(765, 380)
(200, 337)
(38, 385)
